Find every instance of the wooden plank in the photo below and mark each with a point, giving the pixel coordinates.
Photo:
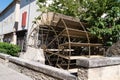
(82, 57)
(57, 54)
(76, 33)
(73, 36)
(74, 57)
(66, 64)
(74, 70)
(69, 23)
(65, 17)
(75, 23)
(77, 44)
(60, 49)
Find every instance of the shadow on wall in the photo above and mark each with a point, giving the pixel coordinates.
(24, 3)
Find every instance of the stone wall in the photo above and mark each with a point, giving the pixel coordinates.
(107, 68)
(36, 71)
(104, 68)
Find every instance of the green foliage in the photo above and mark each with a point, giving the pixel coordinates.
(107, 35)
(67, 7)
(102, 15)
(106, 28)
(9, 49)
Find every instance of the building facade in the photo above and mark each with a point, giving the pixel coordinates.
(16, 20)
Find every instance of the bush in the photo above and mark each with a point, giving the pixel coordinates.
(9, 49)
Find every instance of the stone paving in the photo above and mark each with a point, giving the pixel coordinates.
(9, 74)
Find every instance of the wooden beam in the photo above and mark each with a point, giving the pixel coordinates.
(76, 33)
(60, 49)
(77, 44)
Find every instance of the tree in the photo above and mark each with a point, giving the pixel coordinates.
(67, 7)
(104, 19)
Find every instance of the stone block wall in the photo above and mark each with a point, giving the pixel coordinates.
(104, 68)
(107, 68)
(36, 71)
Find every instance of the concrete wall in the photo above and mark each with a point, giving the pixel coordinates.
(36, 71)
(7, 21)
(99, 68)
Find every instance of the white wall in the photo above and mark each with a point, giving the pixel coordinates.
(33, 14)
(7, 21)
(30, 7)
(0, 27)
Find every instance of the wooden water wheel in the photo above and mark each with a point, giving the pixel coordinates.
(62, 38)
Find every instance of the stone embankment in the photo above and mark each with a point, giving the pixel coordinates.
(36, 71)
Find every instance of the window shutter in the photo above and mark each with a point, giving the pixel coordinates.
(24, 17)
